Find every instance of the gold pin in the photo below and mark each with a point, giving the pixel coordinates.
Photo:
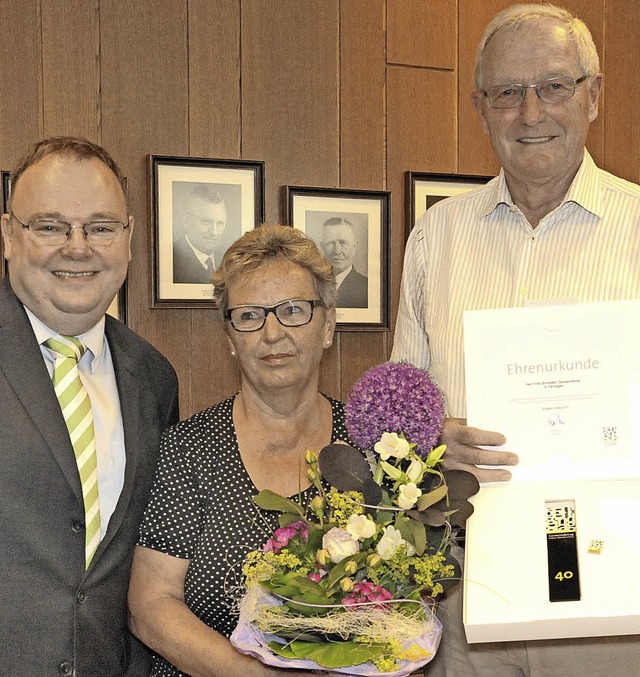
(596, 545)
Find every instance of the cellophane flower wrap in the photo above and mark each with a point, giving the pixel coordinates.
(347, 583)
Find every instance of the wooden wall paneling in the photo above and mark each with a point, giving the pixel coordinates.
(362, 142)
(330, 368)
(215, 374)
(145, 105)
(21, 81)
(592, 12)
(290, 93)
(214, 131)
(71, 68)
(622, 89)
(475, 155)
(421, 127)
(20, 84)
(214, 78)
(421, 33)
(421, 136)
(365, 349)
(362, 94)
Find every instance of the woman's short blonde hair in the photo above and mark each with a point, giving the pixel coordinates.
(271, 243)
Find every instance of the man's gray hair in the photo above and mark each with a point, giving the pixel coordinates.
(530, 14)
(206, 192)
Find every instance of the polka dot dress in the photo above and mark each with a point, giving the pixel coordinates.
(201, 509)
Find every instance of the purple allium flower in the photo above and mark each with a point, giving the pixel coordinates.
(395, 397)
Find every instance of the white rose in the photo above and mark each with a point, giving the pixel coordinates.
(391, 444)
(339, 544)
(408, 495)
(360, 527)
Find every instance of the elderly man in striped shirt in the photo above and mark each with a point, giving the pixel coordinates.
(551, 226)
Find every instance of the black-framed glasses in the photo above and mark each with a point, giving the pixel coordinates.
(54, 232)
(290, 313)
(552, 90)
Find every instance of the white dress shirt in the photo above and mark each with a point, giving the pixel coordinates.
(98, 377)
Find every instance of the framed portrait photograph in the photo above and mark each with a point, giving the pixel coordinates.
(5, 208)
(199, 206)
(423, 190)
(351, 228)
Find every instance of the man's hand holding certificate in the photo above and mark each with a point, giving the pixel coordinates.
(562, 384)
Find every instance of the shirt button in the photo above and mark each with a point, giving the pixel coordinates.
(81, 597)
(533, 238)
(65, 668)
(77, 526)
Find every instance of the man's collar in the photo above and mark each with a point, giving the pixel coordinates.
(201, 256)
(340, 276)
(93, 339)
(584, 189)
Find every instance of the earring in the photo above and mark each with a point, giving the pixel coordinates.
(233, 353)
(327, 344)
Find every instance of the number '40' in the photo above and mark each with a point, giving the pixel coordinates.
(563, 575)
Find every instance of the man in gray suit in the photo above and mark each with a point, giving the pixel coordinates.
(203, 222)
(340, 245)
(67, 241)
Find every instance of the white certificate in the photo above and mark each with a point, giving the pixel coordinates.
(562, 383)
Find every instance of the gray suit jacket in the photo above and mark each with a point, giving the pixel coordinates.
(354, 291)
(186, 267)
(55, 617)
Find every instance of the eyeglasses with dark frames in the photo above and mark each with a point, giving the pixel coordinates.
(290, 313)
(55, 233)
(552, 90)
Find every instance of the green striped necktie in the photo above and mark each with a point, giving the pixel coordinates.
(76, 409)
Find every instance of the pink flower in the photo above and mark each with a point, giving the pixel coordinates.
(366, 591)
(283, 535)
(315, 576)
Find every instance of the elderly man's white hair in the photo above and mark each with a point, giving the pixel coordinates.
(527, 14)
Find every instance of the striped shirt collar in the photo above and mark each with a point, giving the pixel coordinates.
(584, 190)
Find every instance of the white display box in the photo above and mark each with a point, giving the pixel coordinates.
(506, 591)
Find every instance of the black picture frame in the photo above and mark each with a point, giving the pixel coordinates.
(6, 187)
(365, 302)
(423, 189)
(177, 184)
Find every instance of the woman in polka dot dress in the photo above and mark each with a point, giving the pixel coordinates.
(277, 295)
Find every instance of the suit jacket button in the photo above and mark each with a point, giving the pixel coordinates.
(81, 597)
(77, 526)
(66, 668)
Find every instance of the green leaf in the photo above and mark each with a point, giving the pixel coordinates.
(314, 540)
(288, 518)
(427, 500)
(269, 500)
(393, 472)
(419, 536)
(305, 585)
(344, 467)
(329, 655)
(339, 571)
(279, 589)
(384, 517)
(321, 603)
(435, 455)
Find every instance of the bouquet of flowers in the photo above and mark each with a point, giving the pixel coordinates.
(347, 583)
